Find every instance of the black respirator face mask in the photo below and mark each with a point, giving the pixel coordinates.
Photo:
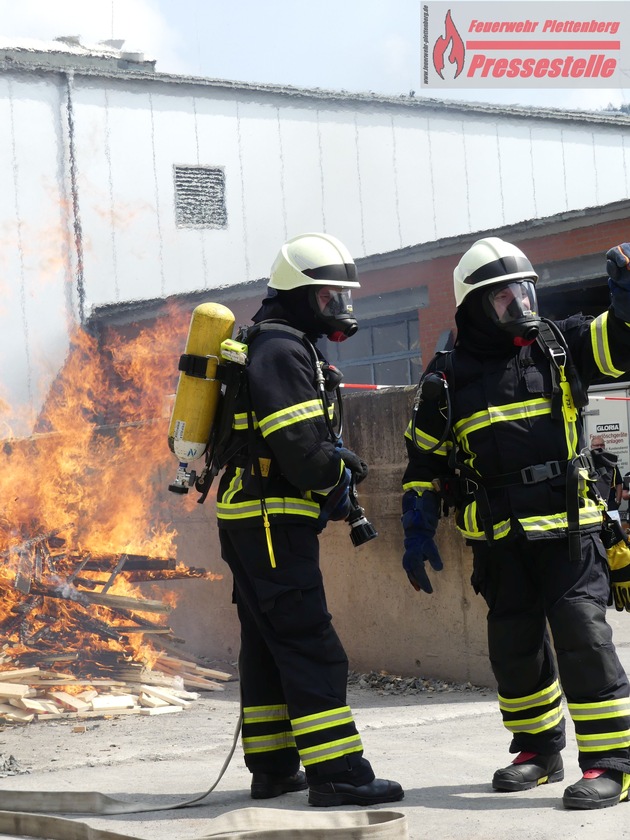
(333, 308)
(513, 307)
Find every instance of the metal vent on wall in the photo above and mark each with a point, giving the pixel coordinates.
(200, 197)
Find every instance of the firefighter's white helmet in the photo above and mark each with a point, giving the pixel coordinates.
(487, 262)
(313, 259)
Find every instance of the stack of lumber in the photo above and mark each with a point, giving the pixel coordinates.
(29, 694)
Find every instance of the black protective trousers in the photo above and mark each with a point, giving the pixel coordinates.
(293, 668)
(533, 586)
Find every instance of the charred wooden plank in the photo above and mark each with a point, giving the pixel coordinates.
(50, 537)
(115, 602)
(125, 602)
(134, 562)
(115, 572)
(25, 571)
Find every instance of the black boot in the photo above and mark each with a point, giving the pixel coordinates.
(267, 786)
(597, 789)
(344, 793)
(529, 770)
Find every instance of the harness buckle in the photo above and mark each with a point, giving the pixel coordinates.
(469, 486)
(540, 472)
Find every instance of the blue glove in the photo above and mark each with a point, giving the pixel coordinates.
(618, 268)
(419, 520)
(336, 505)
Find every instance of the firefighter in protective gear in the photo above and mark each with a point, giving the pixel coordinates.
(514, 469)
(288, 477)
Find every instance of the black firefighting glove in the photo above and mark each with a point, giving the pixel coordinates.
(419, 519)
(619, 564)
(357, 467)
(618, 268)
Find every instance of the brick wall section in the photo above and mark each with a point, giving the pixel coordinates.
(436, 273)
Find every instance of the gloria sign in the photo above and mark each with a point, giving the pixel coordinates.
(502, 45)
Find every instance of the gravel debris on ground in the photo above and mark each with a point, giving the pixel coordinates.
(384, 683)
(10, 766)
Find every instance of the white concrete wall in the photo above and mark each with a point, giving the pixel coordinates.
(379, 176)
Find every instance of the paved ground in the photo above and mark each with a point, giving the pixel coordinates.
(442, 746)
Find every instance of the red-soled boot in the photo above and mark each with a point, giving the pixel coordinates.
(529, 770)
(598, 788)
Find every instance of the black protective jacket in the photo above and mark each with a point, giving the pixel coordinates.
(287, 461)
(506, 420)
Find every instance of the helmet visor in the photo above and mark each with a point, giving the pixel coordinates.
(512, 302)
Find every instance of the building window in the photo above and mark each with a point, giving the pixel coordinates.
(200, 197)
(385, 351)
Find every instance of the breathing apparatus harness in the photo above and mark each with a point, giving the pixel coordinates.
(569, 396)
(224, 446)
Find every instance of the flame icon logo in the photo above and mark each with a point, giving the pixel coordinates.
(453, 40)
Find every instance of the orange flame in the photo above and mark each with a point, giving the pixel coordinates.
(89, 475)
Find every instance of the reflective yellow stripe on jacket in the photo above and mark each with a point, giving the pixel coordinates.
(425, 441)
(471, 527)
(246, 510)
(601, 347)
(292, 414)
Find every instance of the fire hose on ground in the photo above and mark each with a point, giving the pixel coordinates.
(26, 813)
(35, 813)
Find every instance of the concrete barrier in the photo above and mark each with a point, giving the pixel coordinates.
(383, 623)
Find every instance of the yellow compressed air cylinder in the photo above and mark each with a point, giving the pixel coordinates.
(197, 396)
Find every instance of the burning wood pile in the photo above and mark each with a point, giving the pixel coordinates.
(78, 634)
(62, 615)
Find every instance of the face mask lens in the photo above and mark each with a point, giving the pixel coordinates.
(513, 301)
(334, 302)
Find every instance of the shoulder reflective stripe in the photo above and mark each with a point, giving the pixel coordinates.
(291, 414)
(547, 695)
(501, 414)
(603, 742)
(323, 720)
(332, 749)
(418, 485)
(243, 510)
(264, 714)
(596, 711)
(268, 743)
(541, 723)
(426, 441)
(601, 347)
(408, 433)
